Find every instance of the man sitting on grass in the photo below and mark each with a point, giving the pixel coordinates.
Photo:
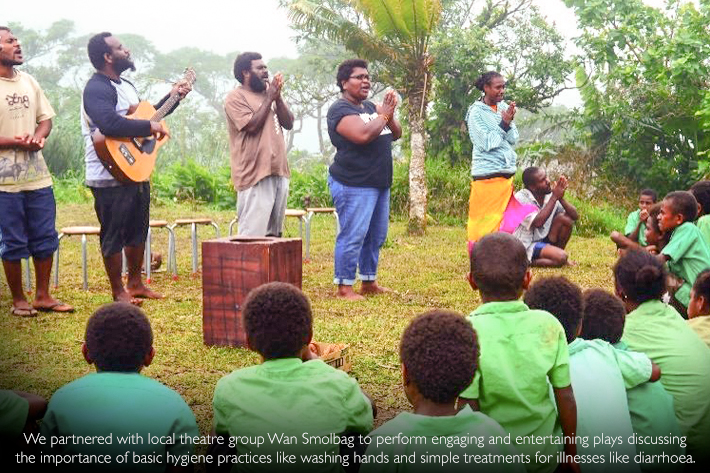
(545, 236)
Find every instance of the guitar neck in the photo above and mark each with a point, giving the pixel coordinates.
(165, 108)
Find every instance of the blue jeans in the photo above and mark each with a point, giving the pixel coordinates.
(364, 218)
(27, 224)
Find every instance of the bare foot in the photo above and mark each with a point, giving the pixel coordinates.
(144, 292)
(346, 292)
(126, 297)
(372, 288)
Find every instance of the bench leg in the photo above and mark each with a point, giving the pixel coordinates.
(28, 276)
(84, 263)
(147, 263)
(194, 248)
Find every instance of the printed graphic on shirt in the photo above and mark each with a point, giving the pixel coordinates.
(368, 117)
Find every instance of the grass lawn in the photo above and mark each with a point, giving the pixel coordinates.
(41, 354)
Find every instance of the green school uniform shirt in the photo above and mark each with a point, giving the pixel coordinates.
(703, 225)
(119, 404)
(13, 414)
(652, 415)
(600, 376)
(631, 222)
(522, 350)
(688, 256)
(432, 434)
(657, 330)
(287, 397)
(701, 326)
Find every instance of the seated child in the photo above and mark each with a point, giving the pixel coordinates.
(701, 192)
(600, 375)
(523, 351)
(656, 329)
(292, 392)
(655, 238)
(19, 413)
(117, 400)
(650, 406)
(636, 222)
(439, 355)
(686, 253)
(699, 307)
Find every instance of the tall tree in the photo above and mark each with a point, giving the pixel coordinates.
(395, 33)
(645, 80)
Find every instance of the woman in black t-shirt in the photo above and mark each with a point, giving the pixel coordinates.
(360, 177)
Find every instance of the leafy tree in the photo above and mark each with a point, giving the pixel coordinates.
(395, 33)
(645, 86)
(309, 86)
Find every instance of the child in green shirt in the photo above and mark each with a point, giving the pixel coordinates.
(650, 406)
(686, 253)
(119, 401)
(699, 307)
(290, 394)
(701, 192)
(439, 355)
(656, 329)
(636, 222)
(523, 352)
(600, 376)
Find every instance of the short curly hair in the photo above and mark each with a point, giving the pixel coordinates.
(701, 192)
(701, 286)
(345, 69)
(278, 320)
(604, 316)
(498, 265)
(118, 337)
(243, 63)
(560, 297)
(640, 275)
(651, 193)
(486, 78)
(96, 49)
(439, 349)
(684, 203)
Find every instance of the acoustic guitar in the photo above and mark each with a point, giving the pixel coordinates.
(133, 159)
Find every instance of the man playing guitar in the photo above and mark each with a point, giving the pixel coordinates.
(122, 208)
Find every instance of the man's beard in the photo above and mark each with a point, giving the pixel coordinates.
(124, 64)
(10, 62)
(256, 83)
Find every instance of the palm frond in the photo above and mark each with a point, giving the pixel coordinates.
(326, 23)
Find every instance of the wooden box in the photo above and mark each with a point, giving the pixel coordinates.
(233, 266)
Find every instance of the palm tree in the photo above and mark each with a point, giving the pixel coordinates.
(395, 34)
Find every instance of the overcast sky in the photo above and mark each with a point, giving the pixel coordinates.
(214, 25)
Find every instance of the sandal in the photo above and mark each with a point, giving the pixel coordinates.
(23, 312)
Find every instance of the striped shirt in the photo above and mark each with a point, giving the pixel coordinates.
(492, 145)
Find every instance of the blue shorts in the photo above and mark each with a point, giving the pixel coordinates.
(27, 221)
(537, 249)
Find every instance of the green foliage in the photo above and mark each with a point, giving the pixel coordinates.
(524, 48)
(597, 217)
(309, 188)
(192, 182)
(645, 89)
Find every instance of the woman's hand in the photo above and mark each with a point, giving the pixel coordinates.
(509, 114)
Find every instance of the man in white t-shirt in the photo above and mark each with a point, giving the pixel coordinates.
(545, 233)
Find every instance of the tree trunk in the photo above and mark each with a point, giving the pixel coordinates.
(417, 170)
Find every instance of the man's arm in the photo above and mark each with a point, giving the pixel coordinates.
(100, 105)
(545, 212)
(284, 114)
(29, 142)
(570, 209)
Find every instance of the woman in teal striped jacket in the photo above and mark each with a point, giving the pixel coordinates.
(492, 206)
